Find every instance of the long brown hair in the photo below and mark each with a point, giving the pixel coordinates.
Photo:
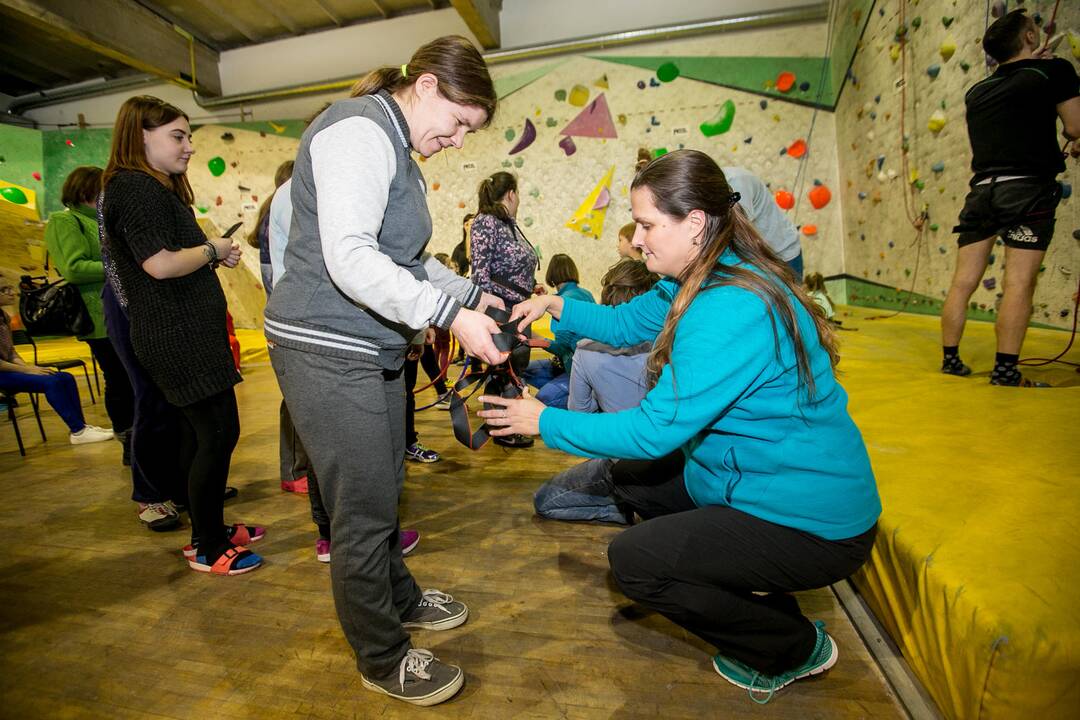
(687, 180)
(491, 192)
(143, 112)
(81, 186)
(283, 173)
(453, 60)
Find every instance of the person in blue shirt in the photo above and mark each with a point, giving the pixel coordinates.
(742, 459)
(551, 377)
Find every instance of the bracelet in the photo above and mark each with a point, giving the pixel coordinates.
(211, 252)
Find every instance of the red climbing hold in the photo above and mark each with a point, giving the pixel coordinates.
(785, 81)
(819, 196)
(785, 199)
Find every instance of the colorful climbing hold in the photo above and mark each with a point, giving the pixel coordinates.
(579, 96)
(946, 21)
(721, 122)
(933, 71)
(216, 165)
(819, 197)
(936, 122)
(640, 84)
(69, 143)
(435, 186)
(785, 81)
(784, 199)
(1066, 190)
(14, 195)
(990, 283)
(509, 134)
(809, 230)
(667, 72)
(659, 152)
(997, 9)
(964, 65)
(560, 94)
(763, 104)
(797, 149)
(528, 136)
(916, 22)
(551, 122)
(36, 175)
(947, 49)
(804, 86)
(568, 146)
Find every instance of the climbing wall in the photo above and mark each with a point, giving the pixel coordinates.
(941, 41)
(572, 130)
(21, 185)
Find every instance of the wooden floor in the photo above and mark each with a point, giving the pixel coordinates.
(101, 618)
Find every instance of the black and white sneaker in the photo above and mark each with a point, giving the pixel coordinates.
(421, 679)
(436, 611)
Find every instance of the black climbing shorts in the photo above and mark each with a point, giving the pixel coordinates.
(1021, 211)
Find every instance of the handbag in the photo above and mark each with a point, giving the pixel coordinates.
(52, 308)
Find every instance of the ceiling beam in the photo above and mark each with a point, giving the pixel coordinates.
(382, 11)
(282, 17)
(124, 32)
(215, 10)
(329, 13)
(482, 18)
(171, 17)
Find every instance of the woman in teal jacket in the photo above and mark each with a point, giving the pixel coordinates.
(742, 459)
(75, 248)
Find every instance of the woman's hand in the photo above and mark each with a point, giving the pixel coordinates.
(39, 370)
(512, 416)
(429, 336)
(534, 308)
(232, 256)
(539, 289)
(488, 300)
(474, 330)
(415, 351)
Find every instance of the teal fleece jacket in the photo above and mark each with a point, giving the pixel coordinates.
(731, 400)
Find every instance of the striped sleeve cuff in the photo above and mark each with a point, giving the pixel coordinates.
(445, 312)
(474, 297)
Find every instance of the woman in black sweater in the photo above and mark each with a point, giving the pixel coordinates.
(164, 268)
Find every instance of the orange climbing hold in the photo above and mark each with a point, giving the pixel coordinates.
(785, 199)
(819, 196)
(797, 149)
(785, 81)
(809, 230)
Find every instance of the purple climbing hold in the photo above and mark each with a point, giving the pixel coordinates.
(804, 86)
(640, 84)
(990, 283)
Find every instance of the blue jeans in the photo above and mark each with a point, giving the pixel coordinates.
(59, 389)
(552, 384)
(584, 492)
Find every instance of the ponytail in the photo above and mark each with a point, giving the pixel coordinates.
(492, 191)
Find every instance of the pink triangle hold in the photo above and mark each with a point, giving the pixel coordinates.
(603, 201)
(594, 121)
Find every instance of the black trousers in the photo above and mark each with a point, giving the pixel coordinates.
(209, 433)
(430, 363)
(119, 397)
(702, 567)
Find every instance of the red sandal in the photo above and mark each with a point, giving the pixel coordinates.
(238, 534)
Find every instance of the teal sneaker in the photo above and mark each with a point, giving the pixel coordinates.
(762, 687)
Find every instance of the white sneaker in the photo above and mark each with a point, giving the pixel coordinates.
(159, 516)
(91, 434)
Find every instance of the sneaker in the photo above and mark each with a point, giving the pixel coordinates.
(159, 517)
(90, 434)
(514, 441)
(409, 540)
(421, 679)
(437, 611)
(762, 687)
(322, 550)
(298, 486)
(1020, 381)
(956, 368)
(418, 453)
(444, 402)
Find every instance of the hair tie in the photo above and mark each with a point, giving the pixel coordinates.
(733, 199)
(405, 70)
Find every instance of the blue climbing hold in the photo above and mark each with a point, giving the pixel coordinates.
(880, 161)
(937, 167)
(1066, 190)
(933, 71)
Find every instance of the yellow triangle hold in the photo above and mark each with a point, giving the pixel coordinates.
(586, 219)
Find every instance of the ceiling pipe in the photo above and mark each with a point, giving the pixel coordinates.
(803, 14)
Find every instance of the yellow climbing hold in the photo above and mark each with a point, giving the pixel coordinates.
(948, 48)
(1074, 43)
(579, 95)
(894, 52)
(913, 176)
(937, 121)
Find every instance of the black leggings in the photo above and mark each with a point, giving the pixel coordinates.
(209, 433)
(119, 397)
(431, 366)
(701, 567)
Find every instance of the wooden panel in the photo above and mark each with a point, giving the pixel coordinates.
(103, 619)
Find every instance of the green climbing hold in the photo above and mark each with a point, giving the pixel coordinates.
(507, 163)
(721, 123)
(509, 134)
(917, 22)
(551, 122)
(216, 165)
(528, 222)
(658, 152)
(14, 195)
(202, 209)
(667, 72)
(946, 21)
(519, 161)
(964, 66)
(560, 95)
(934, 227)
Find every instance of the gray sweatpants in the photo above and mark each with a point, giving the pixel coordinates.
(351, 418)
